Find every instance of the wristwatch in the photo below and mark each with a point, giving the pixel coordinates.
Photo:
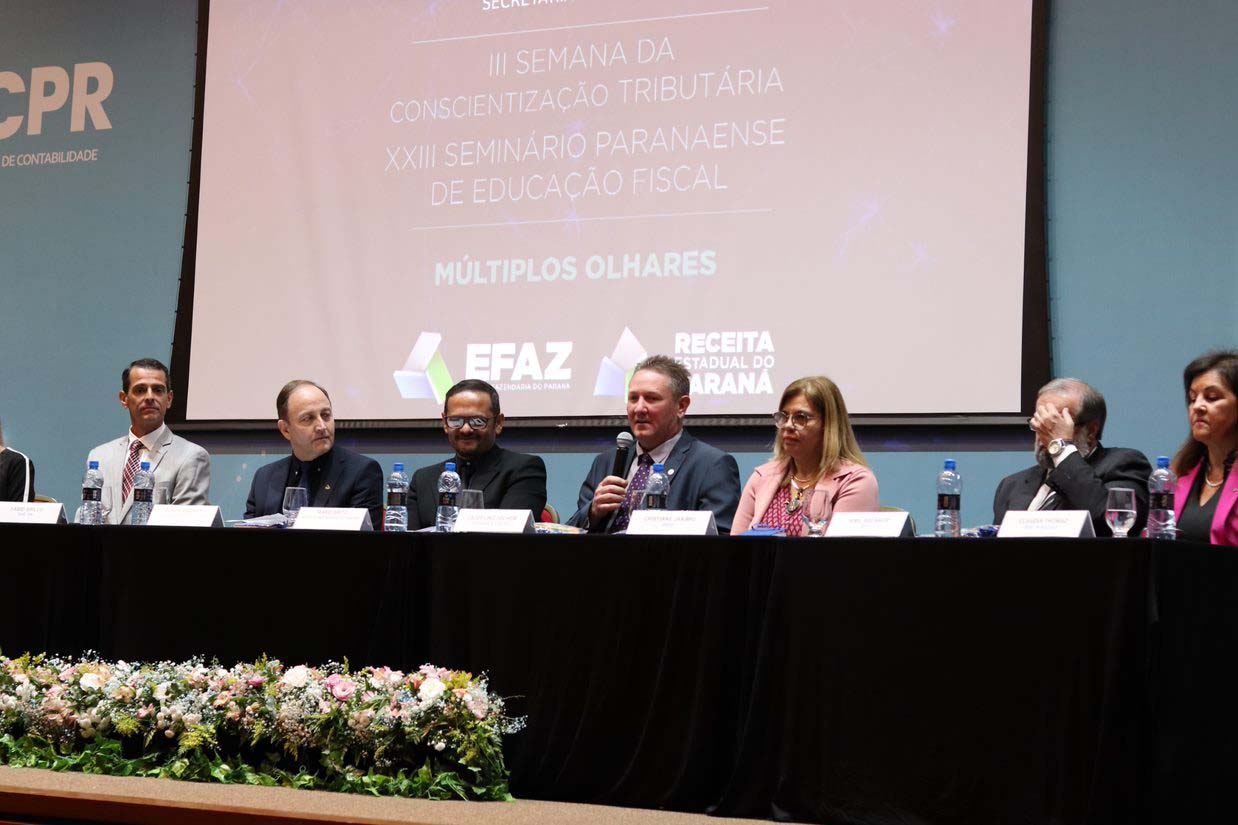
(1055, 447)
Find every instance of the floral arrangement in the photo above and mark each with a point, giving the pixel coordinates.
(434, 733)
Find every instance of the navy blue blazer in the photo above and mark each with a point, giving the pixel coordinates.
(702, 478)
(353, 480)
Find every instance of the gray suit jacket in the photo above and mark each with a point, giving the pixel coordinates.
(702, 478)
(182, 466)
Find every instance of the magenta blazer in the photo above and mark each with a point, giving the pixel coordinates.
(852, 488)
(1225, 522)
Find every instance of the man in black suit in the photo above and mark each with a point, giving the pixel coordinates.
(701, 477)
(472, 421)
(1073, 470)
(333, 476)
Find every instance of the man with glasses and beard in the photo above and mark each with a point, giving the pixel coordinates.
(1073, 470)
(508, 481)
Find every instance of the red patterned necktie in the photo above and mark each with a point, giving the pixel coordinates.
(131, 468)
(636, 485)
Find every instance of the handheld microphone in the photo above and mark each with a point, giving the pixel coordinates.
(623, 442)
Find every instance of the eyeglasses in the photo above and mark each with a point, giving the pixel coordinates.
(477, 422)
(798, 421)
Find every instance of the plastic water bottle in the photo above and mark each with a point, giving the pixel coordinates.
(657, 488)
(448, 489)
(395, 517)
(1161, 501)
(143, 495)
(949, 497)
(92, 495)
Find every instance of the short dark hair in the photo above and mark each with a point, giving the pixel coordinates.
(1225, 362)
(1091, 402)
(474, 385)
(281, 400)
(680, 378)
(145, 363)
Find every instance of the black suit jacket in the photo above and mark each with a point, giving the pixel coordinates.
(507, 480)
(1081, 485)
(353, 480)
(702, 478)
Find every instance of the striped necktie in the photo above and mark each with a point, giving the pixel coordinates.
(131, 468)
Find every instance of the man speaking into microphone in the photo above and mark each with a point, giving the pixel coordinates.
(701, 477)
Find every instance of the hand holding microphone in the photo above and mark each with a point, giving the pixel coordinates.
(610, 492)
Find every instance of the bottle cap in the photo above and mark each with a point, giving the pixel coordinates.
(399, 467)
(450, 466)
(1162, 462)
(950, 465)
(658, 468)
(146, 466)
(94, 465)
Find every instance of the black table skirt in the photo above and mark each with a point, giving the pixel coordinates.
(967, 681)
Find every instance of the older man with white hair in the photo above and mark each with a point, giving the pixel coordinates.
(16, 473)
(1073, 470)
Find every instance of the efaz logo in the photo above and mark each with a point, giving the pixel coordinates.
(518, 362)
(49, 91)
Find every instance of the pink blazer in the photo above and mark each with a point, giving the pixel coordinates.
(852, 488)
(1225, 522)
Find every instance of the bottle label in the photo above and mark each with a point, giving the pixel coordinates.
(92, 494)
(446, 499)
(140, 495)
(1161, 501)
(948, 501)
(655, 501)
(397, 499)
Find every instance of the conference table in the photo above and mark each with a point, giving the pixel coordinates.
(857, 680)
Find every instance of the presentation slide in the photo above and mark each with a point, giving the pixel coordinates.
(539, 193)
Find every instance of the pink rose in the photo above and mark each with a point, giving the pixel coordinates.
(343, 689)
(256, 681)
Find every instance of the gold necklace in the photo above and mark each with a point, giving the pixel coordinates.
(799, 489)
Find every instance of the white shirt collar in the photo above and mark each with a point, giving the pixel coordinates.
(151, 441)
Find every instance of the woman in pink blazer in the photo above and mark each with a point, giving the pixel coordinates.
(815, 449)
(1206, 498)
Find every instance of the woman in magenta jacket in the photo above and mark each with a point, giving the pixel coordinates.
(815, 449)
(1206, 498)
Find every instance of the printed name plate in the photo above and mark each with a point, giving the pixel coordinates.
(672, 523)
(1061, 524)
(879, 524)
(494, 521)
(333, 518)
(31, 512)
(185, 515)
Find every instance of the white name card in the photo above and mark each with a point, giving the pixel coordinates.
(672, 523)
(31, 512)
(185, 515)
(879, 524)
(333, 518)
(1061, 524)
(494, 521)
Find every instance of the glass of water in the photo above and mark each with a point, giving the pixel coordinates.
(470, 500)
(1120, 511)
(294, 499)
(815, 511)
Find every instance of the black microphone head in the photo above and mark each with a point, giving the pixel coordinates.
(625, 440)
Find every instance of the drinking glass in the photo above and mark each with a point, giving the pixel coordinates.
(294, 499)
(815, 511)
(1120, 511)
(161, 494)
(470, 500)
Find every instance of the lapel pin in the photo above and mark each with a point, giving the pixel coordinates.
(327, 487)
(671, 471)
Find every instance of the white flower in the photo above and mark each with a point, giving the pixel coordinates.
(439, 745)
(296, 677)
(91, 681)
(430, 690)
(161, 690)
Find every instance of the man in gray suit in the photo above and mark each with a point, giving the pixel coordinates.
(701, 477)
(180, 466)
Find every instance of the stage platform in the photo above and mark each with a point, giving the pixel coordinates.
(36, 796)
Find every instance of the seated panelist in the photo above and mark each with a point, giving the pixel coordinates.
(507, 480)
(180, 466)
(702, 477)
(814, 449)
(1206, 498)
(333, 476)
(16, 474)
